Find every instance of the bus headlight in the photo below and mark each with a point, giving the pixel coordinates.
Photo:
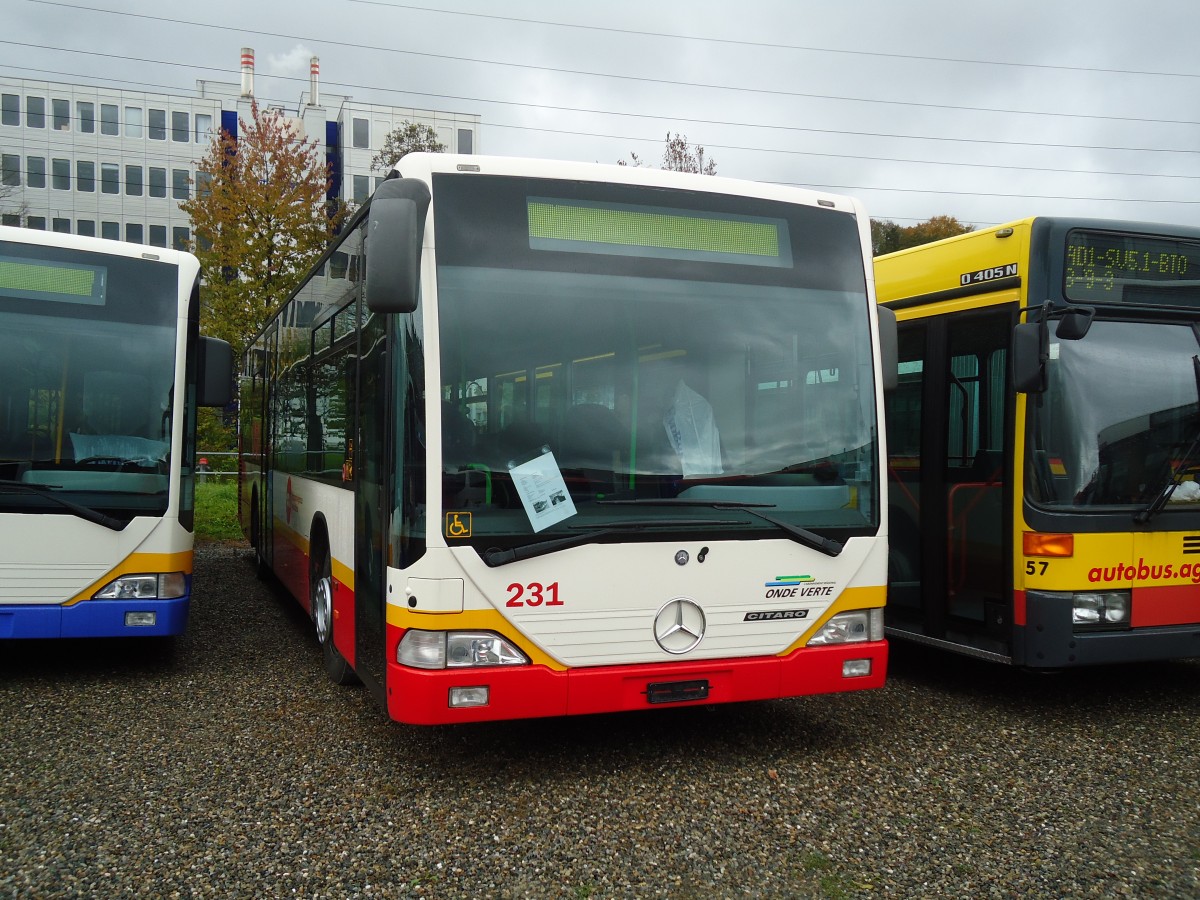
(850, 627)
(456, 650)
(165, 586)
(1100, 609)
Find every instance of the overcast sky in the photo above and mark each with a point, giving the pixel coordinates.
(984, 111)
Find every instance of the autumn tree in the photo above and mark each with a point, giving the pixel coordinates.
(888, 237)
(678, 156)
(260, 220)
(407, 137)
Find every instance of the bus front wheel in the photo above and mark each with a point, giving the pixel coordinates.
(321, 606)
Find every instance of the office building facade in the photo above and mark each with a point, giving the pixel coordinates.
(116, 163)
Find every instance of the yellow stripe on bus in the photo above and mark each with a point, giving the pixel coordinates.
(138, 564)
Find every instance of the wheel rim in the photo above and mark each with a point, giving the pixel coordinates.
(323, 607)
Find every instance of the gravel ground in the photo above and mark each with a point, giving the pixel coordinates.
(231, 768)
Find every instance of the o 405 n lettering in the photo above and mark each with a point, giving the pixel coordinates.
(533, 594)
(982, 275)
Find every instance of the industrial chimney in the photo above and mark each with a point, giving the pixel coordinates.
(314, 73)
(247, 71)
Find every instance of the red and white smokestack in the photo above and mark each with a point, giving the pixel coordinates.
(247, 71)
(314, 76)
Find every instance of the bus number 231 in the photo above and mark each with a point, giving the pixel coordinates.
(534, 594)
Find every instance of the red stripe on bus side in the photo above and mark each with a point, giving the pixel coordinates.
(343, 621)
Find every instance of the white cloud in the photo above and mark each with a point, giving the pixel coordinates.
(292, 63)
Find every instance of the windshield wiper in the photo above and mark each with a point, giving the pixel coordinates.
(801, 535)
(47, 491)
(497, 557)
(1142, 516)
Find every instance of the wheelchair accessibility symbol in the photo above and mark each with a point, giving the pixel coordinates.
(458, 525)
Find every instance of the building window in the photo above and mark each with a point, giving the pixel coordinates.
(204, 130)
(133, 181)
(203, 184)
(61, 226)
(133, 233)
(35, 171)
(158, 124)
(179, 127)
(180, 237)
(466, 140)
(60, 174)
(10, 167)
(158, 235)
(87, 116)
(110, 230)
(10, 109)
(158, 182)
(361, 133)
(61, 113)
(35, 117)
(38, 223)
(13, 219)
(179, 184)
(85, 227)
(110, 178)
(85, 176)
(108, 119)
(362, 188)
(133, 121)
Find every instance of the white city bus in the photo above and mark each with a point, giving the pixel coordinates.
(99, 358)
(540, 438)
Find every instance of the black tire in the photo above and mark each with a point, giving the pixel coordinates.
(321, 607)
(261, 570)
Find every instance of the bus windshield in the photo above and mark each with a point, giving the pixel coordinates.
(1119, 412)
(87, 359)
(676, 350)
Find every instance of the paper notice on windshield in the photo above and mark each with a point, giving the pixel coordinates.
(543, 492)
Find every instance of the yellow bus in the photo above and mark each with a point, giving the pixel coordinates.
(1042, 442)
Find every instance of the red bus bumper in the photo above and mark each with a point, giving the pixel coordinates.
(420, 697)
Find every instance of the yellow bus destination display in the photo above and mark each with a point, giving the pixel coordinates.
(28, 279)
(657, 233)
(1111, 267)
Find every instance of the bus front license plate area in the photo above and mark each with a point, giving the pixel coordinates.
(677, 691)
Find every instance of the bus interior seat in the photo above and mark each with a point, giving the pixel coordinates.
(592, 437)
(518, 443)
(458, 437)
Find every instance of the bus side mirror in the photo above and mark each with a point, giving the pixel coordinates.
(214, 381)
(395, 231)
(889, 354)
(1030, 350)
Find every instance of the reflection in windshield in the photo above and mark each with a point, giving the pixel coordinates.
(1120, 408)
(85, 405)
(646, 388)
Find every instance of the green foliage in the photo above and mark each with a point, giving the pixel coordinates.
(260, 219)
(888, 237)
(407, 137)
(214, 436)
(216, 509)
